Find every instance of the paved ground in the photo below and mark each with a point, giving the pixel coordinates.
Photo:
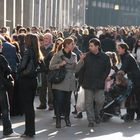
(115, 129)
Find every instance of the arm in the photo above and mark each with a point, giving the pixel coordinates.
(107, 68)
(5, 66)
(24, 61)
(56, 62)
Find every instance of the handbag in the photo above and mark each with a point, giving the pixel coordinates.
(57, 76)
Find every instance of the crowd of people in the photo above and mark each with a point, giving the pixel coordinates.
(93, 57)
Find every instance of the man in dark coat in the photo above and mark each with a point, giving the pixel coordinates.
(94, 72)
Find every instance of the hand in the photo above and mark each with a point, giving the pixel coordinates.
(82, 56)
(62, 63)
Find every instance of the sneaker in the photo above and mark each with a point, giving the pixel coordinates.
(14, 134)
(26, 136)
(41, 107)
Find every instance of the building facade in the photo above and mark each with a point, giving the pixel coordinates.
(112, 12)
(44, 13)
(62, 13)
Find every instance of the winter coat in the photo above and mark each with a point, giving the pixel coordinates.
(131, 68)
(69, 83)
(95, 70)
(9, 51)
(4, 70)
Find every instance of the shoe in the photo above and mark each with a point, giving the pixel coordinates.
(50, 108)
(91, 124)
(127, 118)
(75, 111)
(68, 123)
(79, 116)
(41, 107)
(26, 136)
(13, 134)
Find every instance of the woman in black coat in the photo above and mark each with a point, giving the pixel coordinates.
(131, 68)
(28, 82)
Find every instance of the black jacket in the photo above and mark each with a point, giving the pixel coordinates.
(4, 69)
(95, 70)
(131, 68)
(28, 54)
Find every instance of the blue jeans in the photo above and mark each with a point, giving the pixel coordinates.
(62, 101)
(5, 109)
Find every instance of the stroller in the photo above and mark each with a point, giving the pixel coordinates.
(113, 102)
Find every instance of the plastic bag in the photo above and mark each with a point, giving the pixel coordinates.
(80, 106)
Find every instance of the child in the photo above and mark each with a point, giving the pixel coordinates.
(118, 88)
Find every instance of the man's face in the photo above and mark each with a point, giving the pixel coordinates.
(47, 40)
(120, 50)
(93, 48)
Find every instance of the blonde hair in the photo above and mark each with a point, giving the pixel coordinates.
(113, 58)
(85, 32)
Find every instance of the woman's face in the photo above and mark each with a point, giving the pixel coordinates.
(120, 50)
(58, 43)
(41, 40)
(71, 46)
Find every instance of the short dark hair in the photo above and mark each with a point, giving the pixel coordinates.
(74, 38)
(95, 41)
(124, 46)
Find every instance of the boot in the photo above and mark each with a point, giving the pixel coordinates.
(67, 120)
(58, 122)
(75, 111)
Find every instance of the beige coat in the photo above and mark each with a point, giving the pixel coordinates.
(69, 83)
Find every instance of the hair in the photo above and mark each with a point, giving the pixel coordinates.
(16, 44)
(124, 46)
(120, 79)
(74, 38)
(61, 34)
(4, 28)
(57, 48)
(18, 27)
(22, 30)
(95, 41)
(113, 58)
(85, 32)
(32, 42)
(7, 38)
(50, 36)
(67, 40)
